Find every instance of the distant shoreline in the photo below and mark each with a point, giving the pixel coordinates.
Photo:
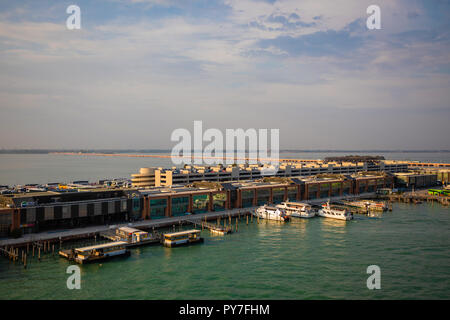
(149, 151)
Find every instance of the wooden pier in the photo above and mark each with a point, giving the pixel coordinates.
(37, 245)
(214, 228)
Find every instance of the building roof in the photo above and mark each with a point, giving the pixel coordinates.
(179, 233)
(101, 246)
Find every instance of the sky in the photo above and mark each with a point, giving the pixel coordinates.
(139, 69)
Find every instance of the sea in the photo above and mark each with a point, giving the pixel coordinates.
(16, 169)
(316, 258)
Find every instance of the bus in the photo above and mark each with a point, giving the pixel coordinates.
(438, 192)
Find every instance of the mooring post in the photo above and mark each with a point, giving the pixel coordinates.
(39, 253)
(25, 261)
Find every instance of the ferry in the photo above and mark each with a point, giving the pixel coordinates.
(297, 209)
(340, 214)
(96, 253)
(181, 238)
(271, 213)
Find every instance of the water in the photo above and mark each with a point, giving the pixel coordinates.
(305, 259)
(45, 168)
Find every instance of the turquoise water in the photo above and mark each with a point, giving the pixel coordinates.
(305, 259)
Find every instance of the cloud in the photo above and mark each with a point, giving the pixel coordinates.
(128, 80)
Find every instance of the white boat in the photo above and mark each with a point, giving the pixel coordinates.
(271, 213)
(297, 209)
(340, 214)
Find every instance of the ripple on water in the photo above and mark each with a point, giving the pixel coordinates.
(307, 259)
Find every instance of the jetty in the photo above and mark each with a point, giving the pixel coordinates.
(94, 232)
(417, 197)
(216, 228)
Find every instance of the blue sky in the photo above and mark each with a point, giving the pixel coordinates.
(139, 69)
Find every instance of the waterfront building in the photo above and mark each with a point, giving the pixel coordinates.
(443, 175)
(188, 174)
(415, 179)
(37, 211)
(145, 178)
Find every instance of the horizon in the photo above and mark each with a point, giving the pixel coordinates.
(4, 150)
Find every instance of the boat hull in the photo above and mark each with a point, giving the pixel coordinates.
(182, 243)
(272, 217)
(323, 214)
(303, 216)
(142, 243)
(102, 258)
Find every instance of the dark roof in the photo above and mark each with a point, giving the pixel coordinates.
(297, 181)
(228, 186)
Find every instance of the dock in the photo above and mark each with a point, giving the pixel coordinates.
(60, 237)
(149, 238)
(214, 228)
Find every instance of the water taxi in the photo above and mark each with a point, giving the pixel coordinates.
(181, 238)
(297, 209)
(334, 213)
(271, 213)
(96, 253)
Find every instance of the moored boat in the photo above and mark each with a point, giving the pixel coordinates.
(297, 209)
(96, 253)
(271, 213)
(328, 212)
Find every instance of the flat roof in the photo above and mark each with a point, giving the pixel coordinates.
(100, 246)
(130, 230)
(182, 232)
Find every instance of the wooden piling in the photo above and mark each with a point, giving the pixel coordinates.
(25, 261)
(39, 253)
(247, 219)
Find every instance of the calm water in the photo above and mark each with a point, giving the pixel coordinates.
(45, 168)
(304, 259)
